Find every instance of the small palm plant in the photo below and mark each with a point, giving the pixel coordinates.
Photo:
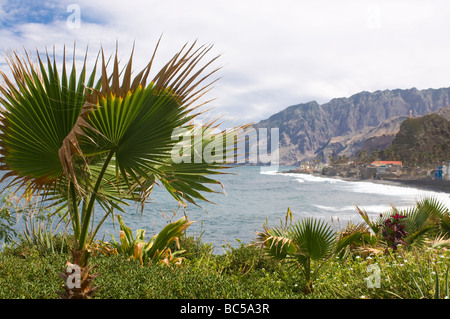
(300, 244)
(92, 143)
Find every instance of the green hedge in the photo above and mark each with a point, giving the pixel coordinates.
(241, 273)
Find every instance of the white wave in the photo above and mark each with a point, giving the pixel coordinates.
(399, 191)
(370, 209)
(311, 178)
(375, 208)
(335, 209)
(365, 187)
(374, 188)
(269, 172)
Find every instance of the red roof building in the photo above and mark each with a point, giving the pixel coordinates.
(387, 163)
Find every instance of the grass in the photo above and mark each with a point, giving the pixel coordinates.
(239, 273)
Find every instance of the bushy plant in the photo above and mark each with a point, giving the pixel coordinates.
(393, 231)
(354, 239)
(7, 220)
(243, 259)
(157, 249)
(411, 273)
(194, 247)
(40, 234)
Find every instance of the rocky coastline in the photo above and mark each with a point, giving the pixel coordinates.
(440, 186)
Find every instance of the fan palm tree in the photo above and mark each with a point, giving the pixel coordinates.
(300, 243)
(87, 140)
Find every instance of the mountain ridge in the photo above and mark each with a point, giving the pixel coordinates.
(342, 125)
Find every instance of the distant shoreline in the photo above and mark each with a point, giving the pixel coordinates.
(427, 185)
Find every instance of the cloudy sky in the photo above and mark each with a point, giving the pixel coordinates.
(273, 53)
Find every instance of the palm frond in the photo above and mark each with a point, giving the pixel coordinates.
(440, 241)
(375, 227)
(314, 237)
(357, 235)
(40, 109)
(277, 243)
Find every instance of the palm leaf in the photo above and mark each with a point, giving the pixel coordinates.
(313, 237)
(277, 243)
(78, 140)
(375, 227)
(156, 248)
(438, 213)
(40, 110)
(353, 235)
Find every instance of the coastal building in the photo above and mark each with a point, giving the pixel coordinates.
(387, 169)
(306, 167)
(387, 164)
(446, 172)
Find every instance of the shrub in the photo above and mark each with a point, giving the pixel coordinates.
(393, 231)
(156, 250)
(244, 259)
(7, 220)
(194, 247)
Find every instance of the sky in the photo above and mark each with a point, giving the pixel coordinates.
(273, 54)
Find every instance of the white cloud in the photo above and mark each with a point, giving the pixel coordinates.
(274, 54)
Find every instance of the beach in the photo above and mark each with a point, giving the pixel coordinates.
(440, 186)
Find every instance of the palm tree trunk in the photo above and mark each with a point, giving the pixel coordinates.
(77, 280)
(309, 284)
(86, 218)
(76, 276)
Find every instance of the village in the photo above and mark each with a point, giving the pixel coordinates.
(377, 170)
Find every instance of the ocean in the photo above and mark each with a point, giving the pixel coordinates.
(253, 196)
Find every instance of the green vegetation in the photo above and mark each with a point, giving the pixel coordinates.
(300, 243)
(358, 262)
(156, 250)
(242, 272)
(74, 141)
(78, 140)
(7, 220)
(422, 141)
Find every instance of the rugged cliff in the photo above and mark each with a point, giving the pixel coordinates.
(422, 141)
(343, 125)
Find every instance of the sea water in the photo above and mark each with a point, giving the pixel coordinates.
(252, 196)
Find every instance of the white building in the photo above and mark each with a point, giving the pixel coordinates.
(446, 171)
